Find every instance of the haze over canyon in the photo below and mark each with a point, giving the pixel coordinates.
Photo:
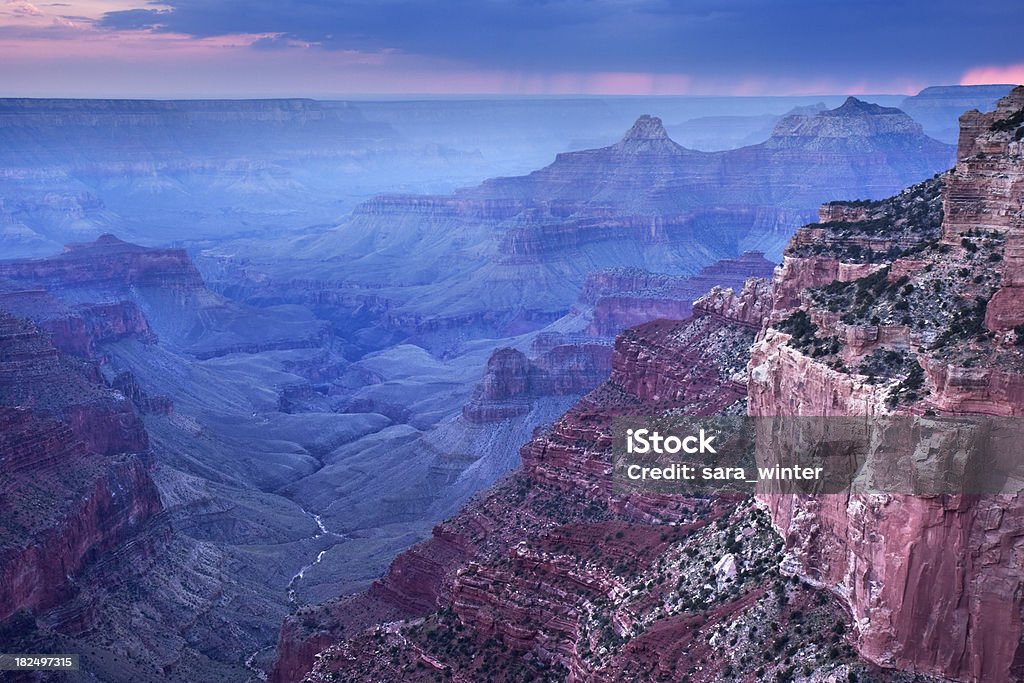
(319, 390)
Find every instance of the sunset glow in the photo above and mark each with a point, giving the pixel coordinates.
(189, 48)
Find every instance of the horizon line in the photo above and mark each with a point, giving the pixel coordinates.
(429, 96)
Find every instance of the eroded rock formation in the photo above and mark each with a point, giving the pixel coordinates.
(559, 575)
(913, 321)
(518, 249)
(622, 298)
(76, 483)
(560, 362)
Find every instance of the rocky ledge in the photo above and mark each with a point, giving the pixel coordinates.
(927, 323)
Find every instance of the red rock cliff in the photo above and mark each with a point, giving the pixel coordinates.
(935, 583)
(74, 484)
(109, 261)
(64, 506)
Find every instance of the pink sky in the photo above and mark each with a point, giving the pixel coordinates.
(54, 49)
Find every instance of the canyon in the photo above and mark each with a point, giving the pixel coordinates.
(563, 547)
(907, 306)
(239, 426)
(510, 255)
(238, 409)
(156, 172)
(956, 554)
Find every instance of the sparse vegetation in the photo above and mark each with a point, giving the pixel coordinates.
(1009, 123)
(804, 335)
(909, 389)
(891, 228)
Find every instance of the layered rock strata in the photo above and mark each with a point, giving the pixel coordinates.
(557, 575)
(562, 363)
(880, 309)
(76, 481)
(918, 325)
(520, 248)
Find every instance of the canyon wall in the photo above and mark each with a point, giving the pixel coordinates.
(933, 582)
(880, 309)
(574, 354)
(77, 480)
(522, 247)
(524, 571)
(626, 297)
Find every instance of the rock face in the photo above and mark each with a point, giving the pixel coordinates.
(512, 379)
(648, 135)
(749, 306)
(65, 506)
(74, 485)
(109, 262)
(106, 290)
(79, 329)
(90, 294)
(646, 169)
(574, 354)
(623, 298)
(917, 318)
(558, 575)
(35, 374)
(985, 191)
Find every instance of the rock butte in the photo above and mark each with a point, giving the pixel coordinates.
(519, 249)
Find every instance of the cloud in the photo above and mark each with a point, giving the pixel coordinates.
(861, 40)
(984, 75)
(20, 7)
(136, 19)
(278, 41)
(762, 47)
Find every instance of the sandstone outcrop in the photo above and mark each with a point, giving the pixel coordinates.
(36, 375)
(933, 582)
(562, 364)
(622, 298)
(511, 380)
(78, 329)
(64, 505)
